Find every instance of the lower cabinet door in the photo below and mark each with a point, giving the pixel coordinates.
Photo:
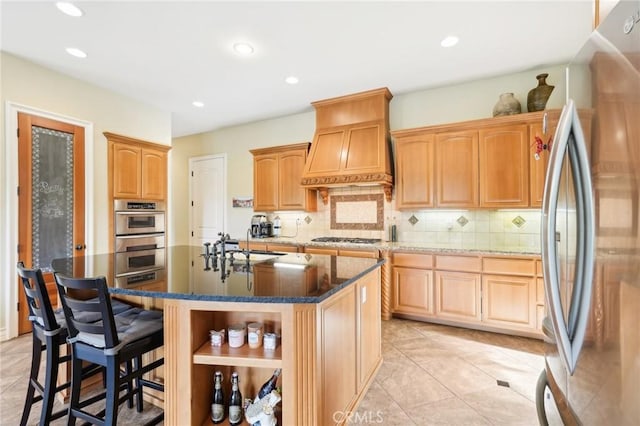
(509, 301)
(457, 296)
(413, 291)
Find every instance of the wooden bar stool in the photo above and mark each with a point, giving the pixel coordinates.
(110, 342)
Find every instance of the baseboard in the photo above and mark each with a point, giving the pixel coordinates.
(3, 334)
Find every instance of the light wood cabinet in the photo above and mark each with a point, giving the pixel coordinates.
(457, 296)
(138, 169)
(415, 170)
(538, 167)
(509, 301)
(495, 293)
(276, 179)
(328, 352)
(504, 166)
(487, 163)
(413, 284)
(369, 329)
(457, 169)
(511, 296)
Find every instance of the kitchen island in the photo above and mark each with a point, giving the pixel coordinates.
(324, 309)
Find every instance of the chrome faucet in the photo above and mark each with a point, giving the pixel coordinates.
(222, 243)
(247, 251)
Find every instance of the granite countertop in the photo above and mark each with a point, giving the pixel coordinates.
(398, 246)
(288, 278)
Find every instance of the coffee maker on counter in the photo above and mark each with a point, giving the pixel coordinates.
(261, 227)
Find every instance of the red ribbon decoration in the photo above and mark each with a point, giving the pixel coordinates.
(541, 146)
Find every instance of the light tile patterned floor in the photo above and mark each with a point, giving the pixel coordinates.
(431, 375)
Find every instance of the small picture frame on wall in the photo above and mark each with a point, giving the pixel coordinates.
(242, 202)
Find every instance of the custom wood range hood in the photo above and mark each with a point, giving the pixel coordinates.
(351, 145)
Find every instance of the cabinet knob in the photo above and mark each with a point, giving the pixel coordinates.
(80, 247)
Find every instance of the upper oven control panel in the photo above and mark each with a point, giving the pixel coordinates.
(138, 205)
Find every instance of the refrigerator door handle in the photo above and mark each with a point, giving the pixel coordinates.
(569, 334)
(585, 211)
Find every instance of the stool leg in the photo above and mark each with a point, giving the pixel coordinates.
(113, 391)
(76, 384)
(129, 383)
(36, 352)
(51, 376)
(137, 363)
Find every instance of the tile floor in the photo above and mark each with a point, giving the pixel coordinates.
(431, 375)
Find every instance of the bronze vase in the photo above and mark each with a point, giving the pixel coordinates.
(538, 96)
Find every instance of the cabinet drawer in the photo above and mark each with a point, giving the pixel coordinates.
(318, 250)
(508, 266)
(282, 248)
(413, 260)
(359, 253)
(459, 263)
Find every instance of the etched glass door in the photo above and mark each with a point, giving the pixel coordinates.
(50, 198)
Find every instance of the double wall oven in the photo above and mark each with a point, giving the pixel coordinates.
(139, 246)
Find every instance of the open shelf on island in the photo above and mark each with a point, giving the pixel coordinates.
(242, 356)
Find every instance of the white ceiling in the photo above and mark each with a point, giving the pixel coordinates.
(169, 54)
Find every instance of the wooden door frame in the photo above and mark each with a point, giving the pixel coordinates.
(9, 215)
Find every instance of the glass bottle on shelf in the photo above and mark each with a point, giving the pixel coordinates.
(217, 405)
(235, 402)
(269, 385)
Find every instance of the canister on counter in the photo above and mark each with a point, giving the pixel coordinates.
(216, 337)
(255, 334)
(269, 341)
(237, 334)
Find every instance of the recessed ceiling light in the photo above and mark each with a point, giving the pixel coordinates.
(198, 104)
(73, 51)
(292, 79)
(69, 8)
(449, 41)
(243, 49)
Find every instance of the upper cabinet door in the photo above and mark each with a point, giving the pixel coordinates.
(504, 166)
(137, 169)
(457, 169)
(265, 182)
(154, 174)
(538, 166)
(291, 194)
(415, 171)
(127, 178)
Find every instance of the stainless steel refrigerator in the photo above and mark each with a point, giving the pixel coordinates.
(590, 235)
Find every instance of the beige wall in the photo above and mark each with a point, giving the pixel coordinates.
(26, 84)
(433, 106)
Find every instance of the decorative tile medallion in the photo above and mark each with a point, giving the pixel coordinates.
(519, 221)
(462, 221)
(308, 219)
(413, 220)
(361, 212)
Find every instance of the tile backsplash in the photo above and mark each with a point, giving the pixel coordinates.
(513, 230)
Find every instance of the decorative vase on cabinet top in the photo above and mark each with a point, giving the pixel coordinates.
(539, 95)
(507, 105)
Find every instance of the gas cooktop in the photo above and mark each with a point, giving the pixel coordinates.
(346, 240)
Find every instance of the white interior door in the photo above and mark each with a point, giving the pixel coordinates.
(208, 189)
